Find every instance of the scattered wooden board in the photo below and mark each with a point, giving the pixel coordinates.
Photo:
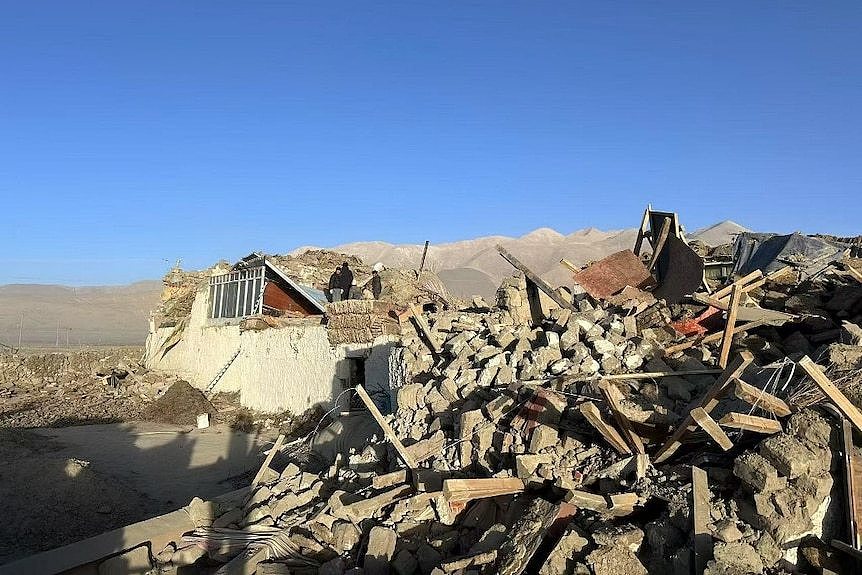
(708, 424)
(614, 397)
(727, 337)
(262, 471)
(426, 331)
(750, 423)
(387, 430)
(759, 398)
(707, 402)
(618, 504)
(700, 518)
(469, 489)
(540, 283)
(609, 433)
(833, 393)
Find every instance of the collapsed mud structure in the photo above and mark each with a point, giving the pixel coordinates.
(647, 418)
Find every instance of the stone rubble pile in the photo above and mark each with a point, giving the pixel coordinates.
(50, 389)
(514, 430)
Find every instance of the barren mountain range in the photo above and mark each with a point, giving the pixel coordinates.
(474, 267)
(117, 315)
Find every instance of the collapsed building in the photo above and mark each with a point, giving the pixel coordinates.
(648, 418)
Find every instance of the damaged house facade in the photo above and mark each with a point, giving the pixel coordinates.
(252, 329)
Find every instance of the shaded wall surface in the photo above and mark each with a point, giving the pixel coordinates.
(288, 368)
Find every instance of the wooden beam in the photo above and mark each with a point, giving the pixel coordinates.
(708, 424)
(833, 393)
(426, 331)
(707, 402)
(262, 471)
(750, 423)
(422, 263)
(727, 337)
(662, 239)
(540, 283)
(387, 430)
(700, 519)
(614, 397)
(759, 398)
(609, 433)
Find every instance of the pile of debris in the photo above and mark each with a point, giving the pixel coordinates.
(58, 389)
(558, 440)
(642, 421)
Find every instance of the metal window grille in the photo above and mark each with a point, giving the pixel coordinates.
(236, 294)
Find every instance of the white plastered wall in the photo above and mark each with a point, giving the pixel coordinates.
(289, 368)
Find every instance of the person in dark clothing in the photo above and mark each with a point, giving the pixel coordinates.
(346, 282)
(376, 284)
(334, 283)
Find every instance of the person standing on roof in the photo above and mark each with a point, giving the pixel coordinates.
(376, 284)
(333, 291)
(346, 282)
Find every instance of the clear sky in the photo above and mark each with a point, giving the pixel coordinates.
(134, 133)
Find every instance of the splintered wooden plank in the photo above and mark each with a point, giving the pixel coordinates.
(750, 423)
(462, 490)
(708, 424)
(700, 518)
(727, 337)
(387, 430)
(525, 536)
(614, 397)
(610, 434)
(759, 398)
(707, 402)
(833, 393)
(618, 504)
(262, 471)
(540, 283)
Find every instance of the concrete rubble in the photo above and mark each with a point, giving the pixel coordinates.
(532, 437)
(510, 401)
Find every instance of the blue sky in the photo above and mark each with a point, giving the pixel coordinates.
(136, 133)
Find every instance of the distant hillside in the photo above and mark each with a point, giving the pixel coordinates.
(719, 234)
(109, 315)
(118, 315)
(472, 267)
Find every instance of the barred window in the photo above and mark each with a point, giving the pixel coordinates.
(237, 293)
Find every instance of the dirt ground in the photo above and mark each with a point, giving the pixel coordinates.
(78, 458)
